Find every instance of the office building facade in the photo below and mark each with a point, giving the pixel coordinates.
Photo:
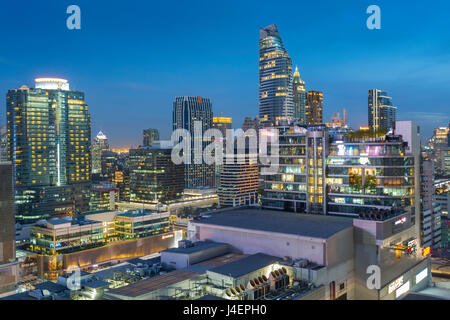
(8, 265)
(154, 177)
(239, 180)
(314, 108)
(431, 211)
(187, 111)
(287, 190)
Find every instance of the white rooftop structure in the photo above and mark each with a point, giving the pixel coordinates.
(52, 84)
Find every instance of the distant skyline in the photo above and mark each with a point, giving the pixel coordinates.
(132, 60)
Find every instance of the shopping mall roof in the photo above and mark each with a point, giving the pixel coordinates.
(139, 213)
(245, 265)
(197, 246)
(314, 226)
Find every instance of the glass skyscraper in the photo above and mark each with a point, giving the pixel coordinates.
(275, 77)
(381, 112)
(187, 110)
(49, 130)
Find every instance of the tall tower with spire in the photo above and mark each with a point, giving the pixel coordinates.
(299, 97)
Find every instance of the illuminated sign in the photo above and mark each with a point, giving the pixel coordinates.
(167, 236)
(403, 289)
(400, 221)
(426, 251)
(394, 285)
(421, 275)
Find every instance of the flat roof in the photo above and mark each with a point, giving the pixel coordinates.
(307, 225)
(140, 213)
(103, 216)
(95, 284)
(146, 286)
(50, 286)
(219, 261)
(198, 246)
(245, 265)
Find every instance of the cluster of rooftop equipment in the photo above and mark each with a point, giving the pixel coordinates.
(381, 214)
(261, 287)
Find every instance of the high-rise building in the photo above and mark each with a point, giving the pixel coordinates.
(3, 144)
(149, 136)
(358, 173)
(154, 177)
(314, 108)
(431, 211)
(381, 112)
(287, 190)
(275, 77)
(239, 180)
(8, 265)
(299, 96)
(108, 165)
(223, 124)
(187, 111)
(49, 140)
(410, 134)
(103, 196)
(100, 144)
(440, 150)
(122, 181)
(316, 157)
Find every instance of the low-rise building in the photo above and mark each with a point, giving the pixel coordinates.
(339, 250)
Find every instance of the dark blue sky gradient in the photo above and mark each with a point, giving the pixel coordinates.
(132, 58)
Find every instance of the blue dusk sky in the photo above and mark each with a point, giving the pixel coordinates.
(132, 58)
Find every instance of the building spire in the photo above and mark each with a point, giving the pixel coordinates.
(296, 73)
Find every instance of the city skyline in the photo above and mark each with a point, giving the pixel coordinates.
(125, 72)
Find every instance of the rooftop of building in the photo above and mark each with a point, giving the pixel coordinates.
(57, 290)
(146, 286)
(101, 215)
(139, 213)
(245, 265)
(55, 223)
(314, 226)
(196, 247)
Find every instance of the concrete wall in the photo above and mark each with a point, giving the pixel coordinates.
(317, 294)
(180, 260)
(279, 245)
